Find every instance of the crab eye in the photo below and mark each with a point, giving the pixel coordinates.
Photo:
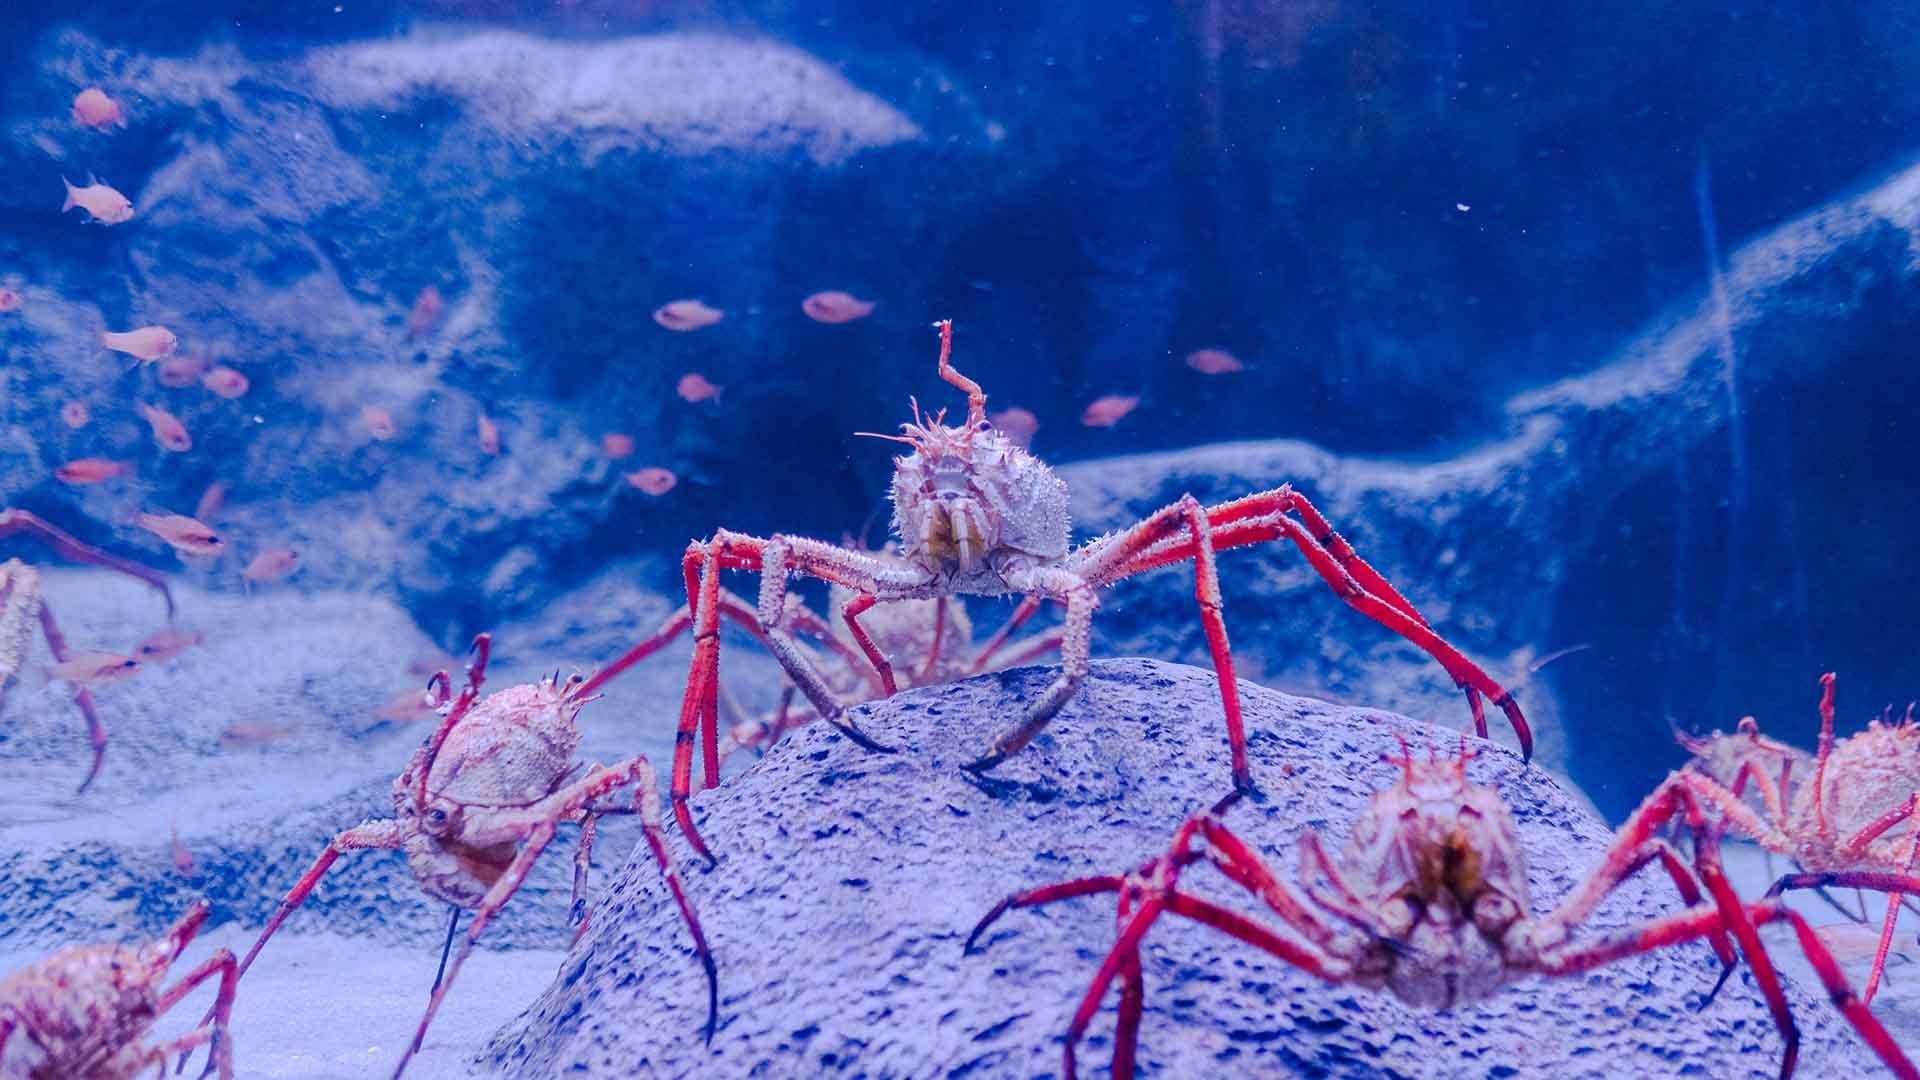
(437, 816)
(984, 425)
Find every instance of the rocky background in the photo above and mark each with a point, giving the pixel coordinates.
(1589, 328)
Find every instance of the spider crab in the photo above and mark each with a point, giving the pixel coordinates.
(21, 605)
(1834, 827)
(480, 801)
(82, 1012)
(976, 514)
(1430, 904)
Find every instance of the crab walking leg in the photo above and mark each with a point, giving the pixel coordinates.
(1254, 530)
(480, 651)
(67, 547)
(939, 635)
(1699, 922)
(672, 627)
(385, 835)
(582, 863)
(1075, 649)
(220, 1052)
(1622, 861)
(1893, 905)
(82, 697)
(535, 829)
(1126, 1035)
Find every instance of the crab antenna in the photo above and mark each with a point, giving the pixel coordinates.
(976, 398)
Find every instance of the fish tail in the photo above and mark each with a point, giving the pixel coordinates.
(69, 204)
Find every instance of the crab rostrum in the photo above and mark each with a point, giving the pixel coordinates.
(21, 606)
(1430, 903)
(481, 800)
(81, 1013)
(975, 514)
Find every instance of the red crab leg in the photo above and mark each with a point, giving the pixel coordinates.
(1625, 858)
(481, 649)
(850, 614)
(1261, 518)
(1126, 1034)
(976, 399)
(939, 633)
(66, 546)
(83, 697)
(672, 627)
(1893, 908)
(1820, 761)
(220, 1054)
(1028, 605)
(1045, 894)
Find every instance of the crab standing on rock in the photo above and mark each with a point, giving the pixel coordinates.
(21, 605)
(484, 796)
(80, 1013)
(1431, 904)
(975, 514)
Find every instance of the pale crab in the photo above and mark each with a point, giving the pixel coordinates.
(976, 514)
(1834, 826)
(82, 1013)
(1431, 904)
(480, 801)
(21, 606)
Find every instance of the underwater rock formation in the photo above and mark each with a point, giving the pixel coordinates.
(847, 882)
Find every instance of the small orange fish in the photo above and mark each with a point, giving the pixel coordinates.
(1214, 362)
(616, 446)
(1108, 410)
(489, 435)
(1017, 424)
(93, 668)
(226, 382)
(254, 733)
(425, 313)
(421, 667)
(102, 203)
(178, 371)
(686, 315)
(147, 343)
(164, 645)
(653, 480)
(272, 565)
(835, 307)
(9, 301)
(168, 431)
(91, 470)
(406, 707)
(75, 414)
(211, 501)
(93, 108)
(182, 533)
(379, 422)
(694, 388)
(182, 858)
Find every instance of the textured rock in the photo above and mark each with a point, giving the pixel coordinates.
(848, 881)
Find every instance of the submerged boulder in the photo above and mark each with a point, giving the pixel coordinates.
(848, 881)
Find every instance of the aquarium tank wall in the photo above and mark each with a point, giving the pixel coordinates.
(1155, 538)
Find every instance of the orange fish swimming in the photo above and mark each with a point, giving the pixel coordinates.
(1107, 411)
(489, 434)
(834, 307)
(694, 388)
(10, 300)
(226, 382)
(91, 470)
(406, 707)
(182, 533)
(1017, 424)
(178, 371)
(1214, 362)
(164, 645)
(75, 414)
(147, 343)
(93, 108)
(92, 668)
(272, 565)
(653, 480)
(379, 422)
(686, 315)
(102, 203)
(616, 446)
(425, 313)
(168, 431)
(211, 501)
(249, 733)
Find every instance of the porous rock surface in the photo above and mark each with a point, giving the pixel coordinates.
(848, 881)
